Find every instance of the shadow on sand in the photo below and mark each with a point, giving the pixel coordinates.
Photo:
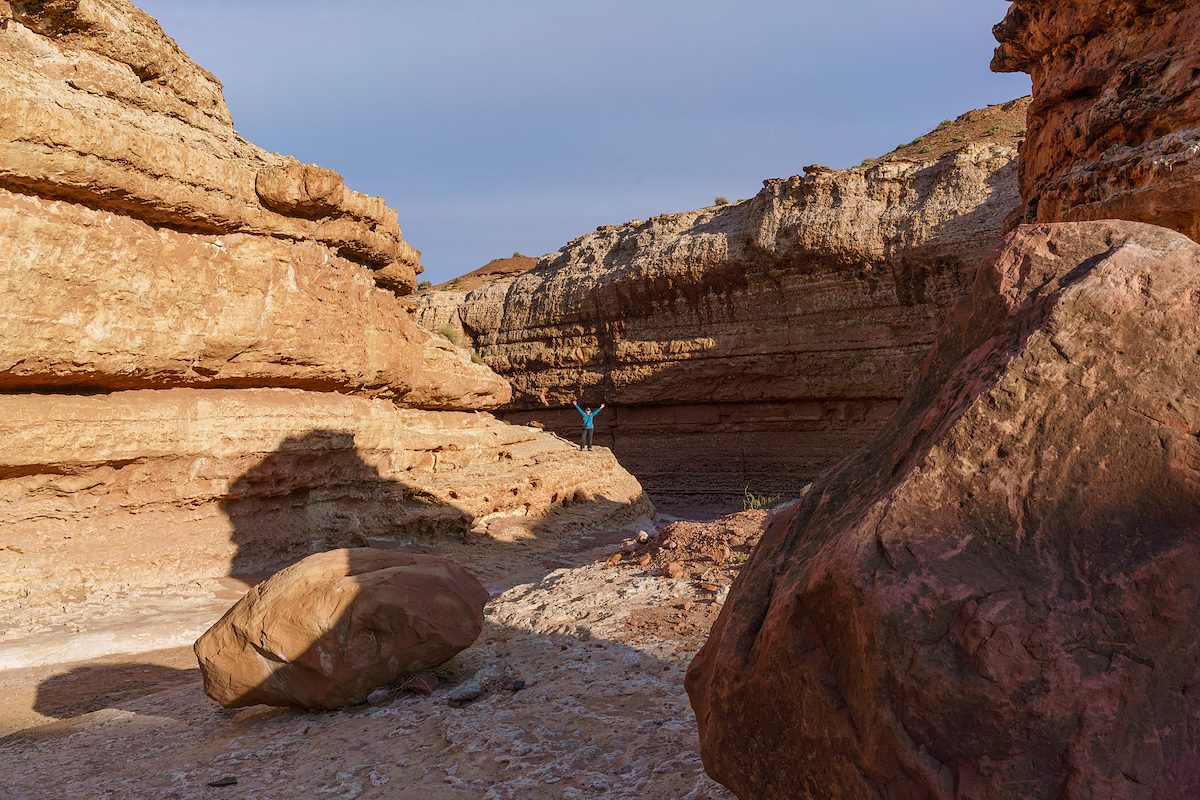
(83, 690)
(316, 493)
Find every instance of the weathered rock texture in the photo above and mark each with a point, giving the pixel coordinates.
(150, 488)
(997, 598)
(101, 108)
(751, 344)
(146, 244)
(327, 630)
(94, 300)
(204, 364)
(1114, 129)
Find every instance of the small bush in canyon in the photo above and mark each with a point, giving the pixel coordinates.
(752, 501)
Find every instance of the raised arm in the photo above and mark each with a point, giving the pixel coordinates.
(577, 408)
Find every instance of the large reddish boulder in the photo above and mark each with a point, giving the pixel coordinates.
(1000, 597)
(1114, 128)
(327, 630)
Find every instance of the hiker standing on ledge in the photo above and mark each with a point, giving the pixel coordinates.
(589, 425)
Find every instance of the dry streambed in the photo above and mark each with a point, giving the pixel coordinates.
(579, 676)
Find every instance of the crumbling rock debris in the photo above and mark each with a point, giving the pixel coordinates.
(465, 693)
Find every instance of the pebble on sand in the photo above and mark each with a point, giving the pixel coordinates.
(466, 693)
(423, 683)
(380, 696)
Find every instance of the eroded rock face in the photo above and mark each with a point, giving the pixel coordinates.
(94, 300)
(148, 245)
(998, 597)
(1114, 129)
(748, 345)
(327, 630)
(130, 490)
(103, 109)
(200, 374)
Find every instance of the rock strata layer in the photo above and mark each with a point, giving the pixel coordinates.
(151, 488)
(754, 344)
(94, 300)
(1001, 590)
(205, 367)
(146, 244)
(1114, 129)
(102, 109)
(327, 630)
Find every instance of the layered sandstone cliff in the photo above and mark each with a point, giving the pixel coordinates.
(101, 108)
(754, 344)
(144, 488)
(205, 366)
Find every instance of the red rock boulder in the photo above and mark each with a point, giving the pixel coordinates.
(1000, 597)
(327, 630)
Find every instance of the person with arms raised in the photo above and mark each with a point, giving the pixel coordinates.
(589, 425)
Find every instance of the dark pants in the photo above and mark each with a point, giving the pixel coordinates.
(585, 441)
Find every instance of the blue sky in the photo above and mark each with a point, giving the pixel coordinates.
(500, 126)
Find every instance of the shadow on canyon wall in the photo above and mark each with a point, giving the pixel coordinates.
(315, 493)
(697, 461)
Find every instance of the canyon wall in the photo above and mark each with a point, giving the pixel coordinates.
(206, 366)
(997, 597)
(750, 345)
(145, 488)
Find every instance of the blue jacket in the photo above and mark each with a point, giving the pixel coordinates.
(588, 419)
